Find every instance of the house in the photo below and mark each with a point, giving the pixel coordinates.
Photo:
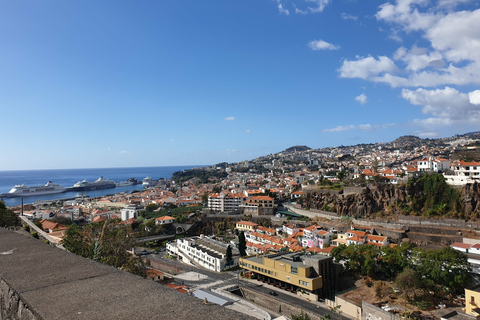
(433, 164)
(50, 226)
(464, 173)
(164, 220)
(296, 194)
(472, 300)
(246, 225)
(379, 241)
(290, 229)
(130, 211)
(460, 246)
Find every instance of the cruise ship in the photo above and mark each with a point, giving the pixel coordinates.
(98, 184)
(24, 191)
(148, 182)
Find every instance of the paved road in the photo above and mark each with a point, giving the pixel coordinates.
(200, 278)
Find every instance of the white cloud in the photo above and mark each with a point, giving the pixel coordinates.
(319, 5)
(447, 107)
(282, 10)
(322, 45)
(474, 97)
(124, 152)
(346, 16)
(172, 140)
(361, 98)
(365, 68)
(247, 131)
(362, 127)
(229, 118)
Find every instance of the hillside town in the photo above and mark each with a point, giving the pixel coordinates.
(377, 231)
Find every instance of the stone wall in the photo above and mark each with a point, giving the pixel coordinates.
(420, 221)
(12, 306)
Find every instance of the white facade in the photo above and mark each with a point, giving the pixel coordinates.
(129, 212)
(224, 202)
(464, 173)
(433, 164)
(202, 251)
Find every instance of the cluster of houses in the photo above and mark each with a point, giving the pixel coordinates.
(313, 239)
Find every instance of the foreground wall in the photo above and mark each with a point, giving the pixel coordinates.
(38, 281)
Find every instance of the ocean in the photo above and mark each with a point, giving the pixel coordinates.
(68, 177)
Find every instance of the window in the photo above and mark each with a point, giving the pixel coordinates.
(294, 269)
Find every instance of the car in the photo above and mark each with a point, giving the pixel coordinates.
(273, 293)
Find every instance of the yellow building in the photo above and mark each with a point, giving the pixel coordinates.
(472, 300)
(293, 271)
(246, 225)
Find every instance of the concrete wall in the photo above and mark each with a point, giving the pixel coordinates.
(346, 307)
(274, 305)
(38, 281)
(371, 312)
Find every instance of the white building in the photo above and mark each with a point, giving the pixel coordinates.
(225, 201)
(129, 212)
(164, 220)
(464, 173)
(203, 251)
(433, 164)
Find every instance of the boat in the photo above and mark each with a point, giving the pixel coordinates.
(24, 191)
(124, 183)
(149, 182)
(98, 184)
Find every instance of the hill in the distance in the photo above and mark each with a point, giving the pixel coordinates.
(297, 149)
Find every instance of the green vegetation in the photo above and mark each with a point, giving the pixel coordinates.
(177, 212)
(432, 196)
(242, 244)
(422, 275)
(105, 242)
(202, 176)
(8, 218)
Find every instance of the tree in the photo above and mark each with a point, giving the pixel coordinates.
(381, 289)
(446, 269)
(105, 242)
(242, 244)
(408, 281)
(301, 316)
(8, 218)
(228, 255)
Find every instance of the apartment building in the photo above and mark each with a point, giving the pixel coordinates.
(203, 251)
(293, 272)
(464, 173)
(225, 201)
(259, 206)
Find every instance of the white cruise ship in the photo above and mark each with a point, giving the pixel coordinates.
(98, 184)
(24, 191)
(148, 182)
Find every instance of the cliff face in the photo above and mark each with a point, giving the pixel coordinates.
(391, 199)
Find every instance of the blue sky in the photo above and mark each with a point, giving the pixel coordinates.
(88, 84)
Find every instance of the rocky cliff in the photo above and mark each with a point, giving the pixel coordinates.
(414, 198)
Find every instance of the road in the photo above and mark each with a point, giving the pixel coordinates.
(199, 278)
